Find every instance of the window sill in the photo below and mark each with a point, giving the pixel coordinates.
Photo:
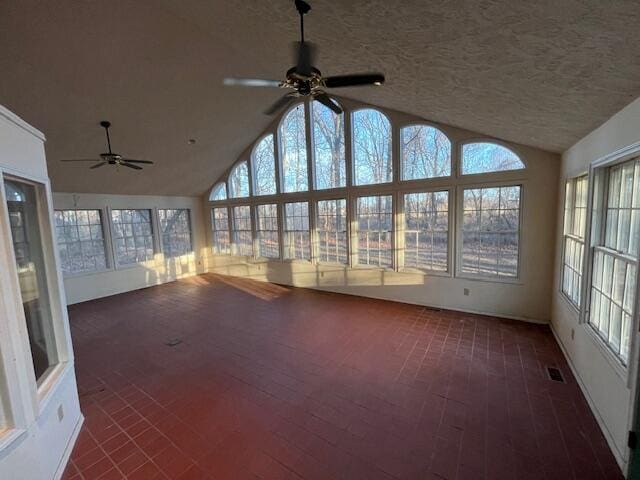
(570, 303)
(9, 438)
(48, 386)
(507, 281)
(86, 274)
(426, 273)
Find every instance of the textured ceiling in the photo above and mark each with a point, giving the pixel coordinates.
(540, 73)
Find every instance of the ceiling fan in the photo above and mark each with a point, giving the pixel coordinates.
(306, 80)
(111, 158)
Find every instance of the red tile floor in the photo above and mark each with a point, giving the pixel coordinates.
(269, 382)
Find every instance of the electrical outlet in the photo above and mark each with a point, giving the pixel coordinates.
(466, 292)
(60, 413)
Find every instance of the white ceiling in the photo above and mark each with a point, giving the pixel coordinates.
(540, 73)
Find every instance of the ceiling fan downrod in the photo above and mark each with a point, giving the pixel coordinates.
(303, 8)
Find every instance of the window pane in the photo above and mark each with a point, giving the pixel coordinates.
(293, 148)
(375, 230)
(29, 256)
(426, 230)
(267, 230)
(328, 147)
(296, 231)
(219, 192)
(575, 212)
(175, 226)
(371, 148)
(242, 237)
(220, 223)
(426, 153)
(623, 212)
(80, 240)
(613, 282)
(239, 181)
(490, 231)
(487, 157)
(332, 231)
(264, 167)
(133, 236)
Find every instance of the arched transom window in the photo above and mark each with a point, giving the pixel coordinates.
(323, 187)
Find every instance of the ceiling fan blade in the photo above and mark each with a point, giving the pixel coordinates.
(278, 105)
(99, 165)
(135, 167)
(82, 160)
(324, 99)
(304, 56)
(354, 80)
(251, 82)
(131, 160)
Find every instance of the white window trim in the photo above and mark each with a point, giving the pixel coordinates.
(26, 397)
(517, 280)
(599, 172)
(107, 257)
(160, 234)
(577, 307)
(453, 183)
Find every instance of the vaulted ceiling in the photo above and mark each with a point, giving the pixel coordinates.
(540, 73)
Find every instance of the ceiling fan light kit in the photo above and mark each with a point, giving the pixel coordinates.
(111, 158)
(304, 79)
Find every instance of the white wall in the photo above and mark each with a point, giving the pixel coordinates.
(87, 286)
(606, 389)
(40, 423)
(527, 298)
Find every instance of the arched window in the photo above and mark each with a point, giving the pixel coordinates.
(371, 148)
(425, 153)
(239, 181)
(328, 147)
(486, 157)
(293, 149)
(218, 192)
(263, 163)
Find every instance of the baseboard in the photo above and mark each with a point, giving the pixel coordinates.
(603, 426)
(119, 291)
(69, 448)
(430, 305)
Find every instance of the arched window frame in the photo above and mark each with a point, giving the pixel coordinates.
(453, 184)
(392, 148)
(279, 148)
(215, 189)
(346, 125)
(452, 155)
(276, 167)
(230, 193)
(500, 143)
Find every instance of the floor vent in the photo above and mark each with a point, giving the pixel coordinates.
(174, 342)
(555, 374)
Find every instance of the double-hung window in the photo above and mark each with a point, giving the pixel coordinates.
(615, 256)
(242, 235)
(491, 231)
(297, 243)
(80, 241)
(267, 230)
(375, 230)
(133, 236)
(220, 223)
(175, 226)
(331, 227)
(426, 230)
(575, 214)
